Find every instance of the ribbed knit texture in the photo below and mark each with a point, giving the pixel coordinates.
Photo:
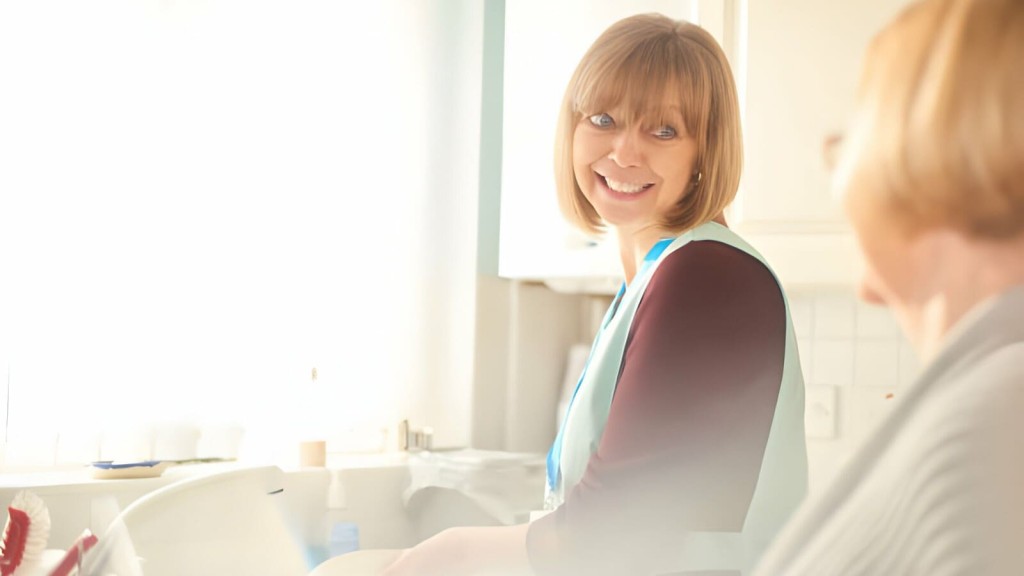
(938, 489)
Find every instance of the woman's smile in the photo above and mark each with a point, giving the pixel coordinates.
(625, 189)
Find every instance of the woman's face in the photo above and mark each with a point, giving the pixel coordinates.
(633, 174)
(900, 268)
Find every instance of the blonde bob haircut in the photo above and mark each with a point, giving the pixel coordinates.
(938, 138)
(647, 65)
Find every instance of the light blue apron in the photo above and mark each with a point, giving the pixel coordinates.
(782, 482)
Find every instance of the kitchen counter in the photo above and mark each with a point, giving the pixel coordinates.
(364, 489)
(77, 501)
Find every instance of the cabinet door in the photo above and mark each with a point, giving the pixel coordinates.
(798, 73)
(544, 41)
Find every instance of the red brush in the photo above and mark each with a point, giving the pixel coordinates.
(74, 554)
(26, 532)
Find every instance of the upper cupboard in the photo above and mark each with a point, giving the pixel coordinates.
(796, 64)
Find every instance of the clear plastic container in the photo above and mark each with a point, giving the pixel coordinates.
(505, 485)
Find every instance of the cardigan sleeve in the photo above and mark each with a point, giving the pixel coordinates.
(688, 424)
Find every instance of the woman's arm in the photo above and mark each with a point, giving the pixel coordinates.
(469, 551)
(687, 430)
(683, 446)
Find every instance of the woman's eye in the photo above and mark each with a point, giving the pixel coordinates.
(665, 133)
(602, 120)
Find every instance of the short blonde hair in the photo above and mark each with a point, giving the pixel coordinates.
(938, 137)
(639, 63)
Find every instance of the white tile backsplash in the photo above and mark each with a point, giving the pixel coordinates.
(875, 321)
(844, 341)
(834, 316)
(801, 311)
(858, 351)
(832, 362)
(876, 363)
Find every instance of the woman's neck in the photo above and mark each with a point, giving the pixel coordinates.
(633, 248)
(635, 244)
(970, 272)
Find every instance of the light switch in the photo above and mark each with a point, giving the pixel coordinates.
(820, 412)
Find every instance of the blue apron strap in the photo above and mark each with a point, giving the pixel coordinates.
(555, 453)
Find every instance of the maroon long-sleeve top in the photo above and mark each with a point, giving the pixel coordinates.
(688, 423)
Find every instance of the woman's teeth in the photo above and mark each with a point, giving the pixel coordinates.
(626, 187)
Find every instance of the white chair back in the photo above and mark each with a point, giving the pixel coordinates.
(214, 525)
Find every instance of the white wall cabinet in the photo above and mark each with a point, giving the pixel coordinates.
(799, 65)
(796, 63)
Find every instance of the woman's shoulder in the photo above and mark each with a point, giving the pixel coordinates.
(716, 265)
(996, 379)
(708, 283)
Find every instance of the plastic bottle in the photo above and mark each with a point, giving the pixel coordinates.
(344, 538)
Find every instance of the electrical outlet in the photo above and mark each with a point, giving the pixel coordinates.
(820, 412)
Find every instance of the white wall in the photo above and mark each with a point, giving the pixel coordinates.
(524, 333)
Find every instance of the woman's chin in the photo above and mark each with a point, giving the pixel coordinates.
(622, 214)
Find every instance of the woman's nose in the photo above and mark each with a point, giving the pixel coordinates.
(626, 148)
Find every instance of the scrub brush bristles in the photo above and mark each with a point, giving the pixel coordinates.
(26, 532)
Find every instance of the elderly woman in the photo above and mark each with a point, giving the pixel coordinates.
(683, 449)
(932, 179)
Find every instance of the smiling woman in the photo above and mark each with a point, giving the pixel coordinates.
(620, 76)
(198, 201)
(682, 450)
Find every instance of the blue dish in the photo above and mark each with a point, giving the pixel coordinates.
(111, 465)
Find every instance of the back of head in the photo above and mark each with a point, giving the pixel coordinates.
(645, 63)
(939, 134)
